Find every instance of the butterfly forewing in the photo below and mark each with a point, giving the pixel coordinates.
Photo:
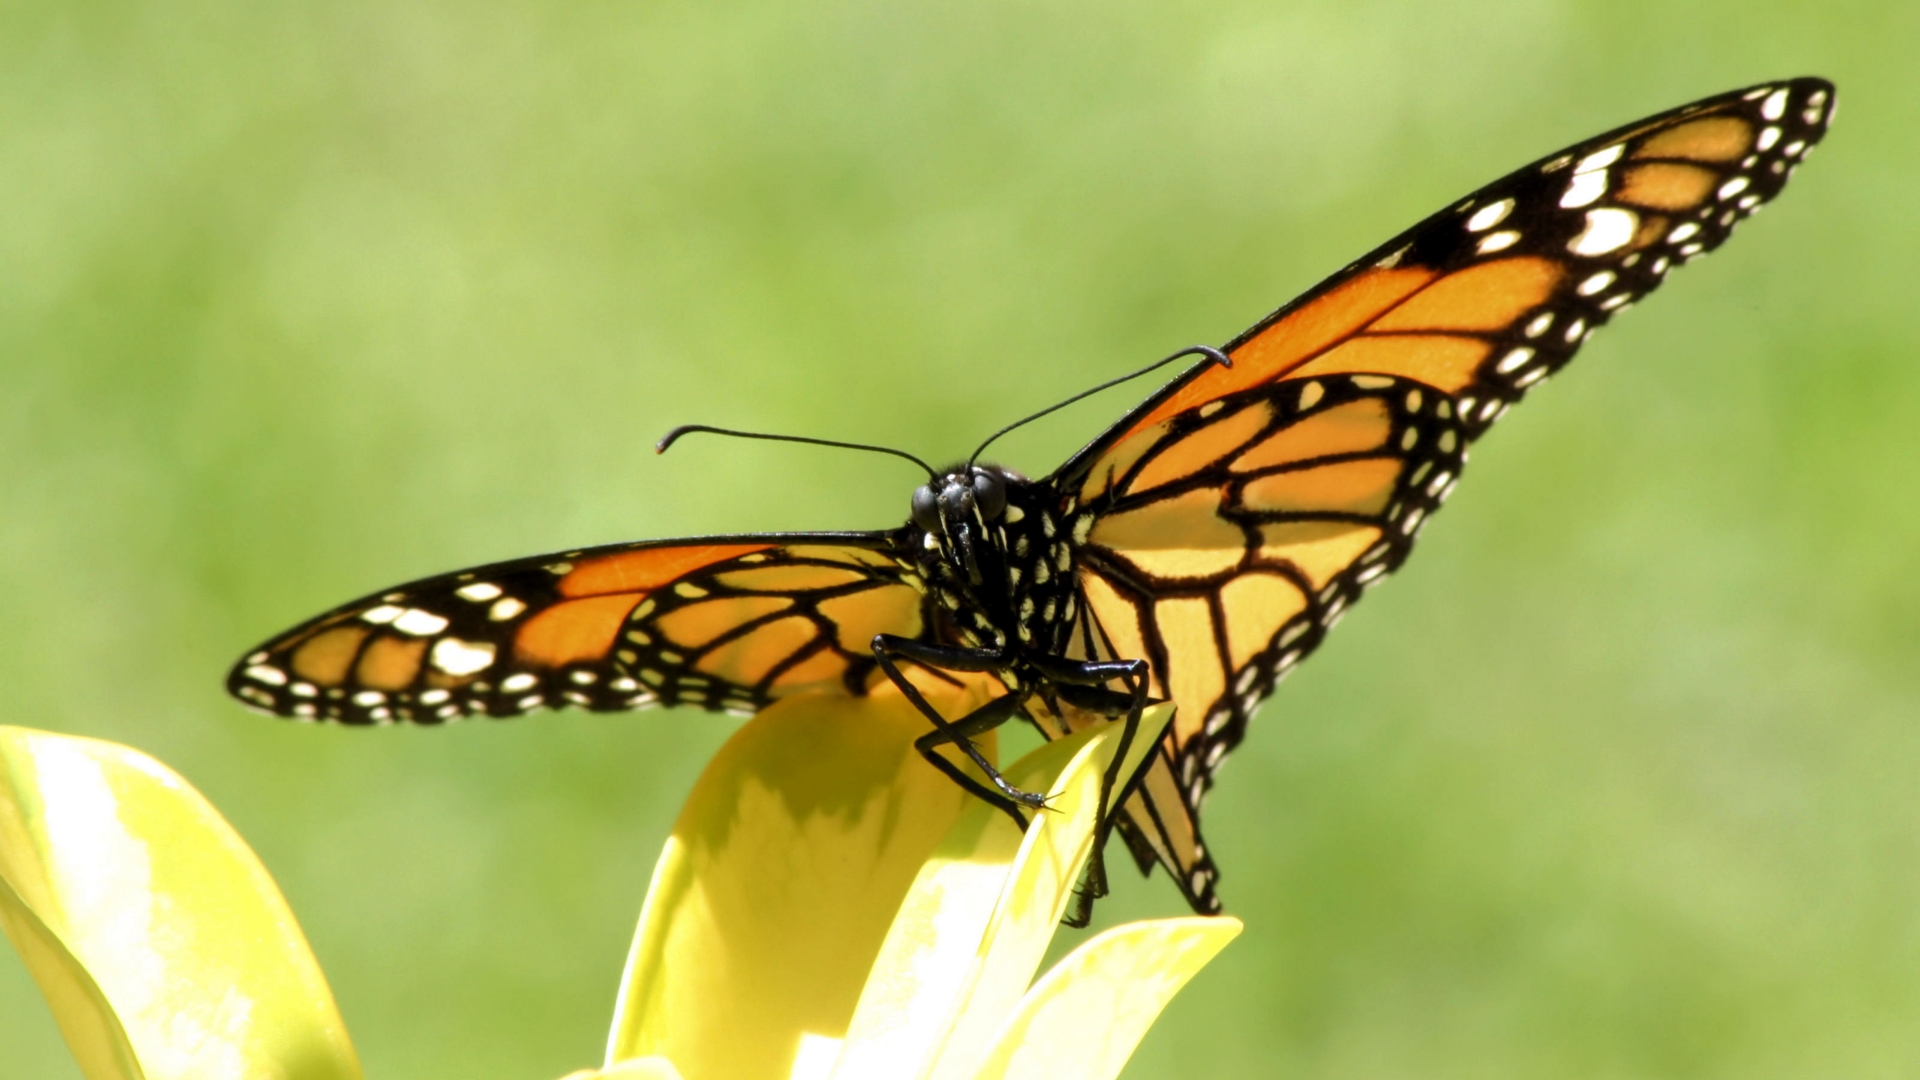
(1488, 297)
(726, 623)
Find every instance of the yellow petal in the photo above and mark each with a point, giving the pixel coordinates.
(650, 1068)
(92, 1032)
(777, 886)
(150, 924)
(1082, 1020)
(978, 919)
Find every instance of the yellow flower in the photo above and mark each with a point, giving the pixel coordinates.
(162, 945)
(828, 906)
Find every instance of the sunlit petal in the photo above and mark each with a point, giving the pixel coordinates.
(1084, 1017)
(651, 1068)
(978, 920)
(87, 1021)
(776, 889)
(150, 924)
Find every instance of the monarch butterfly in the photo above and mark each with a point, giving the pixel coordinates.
(1196, 551)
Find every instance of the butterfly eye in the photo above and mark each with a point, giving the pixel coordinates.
(990, 494)
(926, 509)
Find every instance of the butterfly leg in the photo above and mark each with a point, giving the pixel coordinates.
(1003, 795)
(1084, 685)
(985, 718)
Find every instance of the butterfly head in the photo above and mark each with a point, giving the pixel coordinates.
(955, 509)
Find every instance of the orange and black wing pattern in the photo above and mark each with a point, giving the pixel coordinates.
(1495, 293)
(728, 623)
(1240, 511)
(1228, 539)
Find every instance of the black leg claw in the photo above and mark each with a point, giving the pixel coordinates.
(1083, 684)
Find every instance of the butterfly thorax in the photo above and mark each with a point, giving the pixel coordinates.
(997, 559)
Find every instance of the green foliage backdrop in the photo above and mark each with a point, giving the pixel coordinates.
(1616, 779)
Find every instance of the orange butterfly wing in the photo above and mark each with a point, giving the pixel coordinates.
(1224, 550)
(726, 623)
(1239, 511)
(1488, 297)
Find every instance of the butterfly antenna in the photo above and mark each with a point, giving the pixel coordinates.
(673, 436)
(1207, 351)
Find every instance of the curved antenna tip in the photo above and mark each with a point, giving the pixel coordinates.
(671, 437)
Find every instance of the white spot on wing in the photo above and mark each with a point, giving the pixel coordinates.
(456, 657)
(505, 608)
(1584, 189)
(1600, 159)
(419, 623)
(479, 592)
(1514, 360)
(385, 613)
(1489, 215)
(1609, 228)
(1499, 241)
(1775, 106)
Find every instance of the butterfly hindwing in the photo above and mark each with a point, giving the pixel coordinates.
(725, 623)
(1228, 538)
(1462, 313)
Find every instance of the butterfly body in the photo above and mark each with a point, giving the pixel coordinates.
(999, 572)
(1196, 551)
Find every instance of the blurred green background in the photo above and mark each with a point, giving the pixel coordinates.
(1616, 780)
